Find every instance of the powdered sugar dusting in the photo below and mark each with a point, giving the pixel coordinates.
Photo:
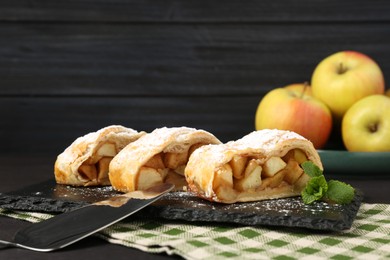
(292, 206)
(266, 139)
(259, 141)
(160, 136)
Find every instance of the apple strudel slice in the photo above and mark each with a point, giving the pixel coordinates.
(157, 157)
(262, 165)
(85, 162)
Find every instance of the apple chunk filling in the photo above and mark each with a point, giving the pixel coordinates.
(96, 171)
(176, 161)
(246, 173)
(165, 167)
(251, 179)
(96, 167)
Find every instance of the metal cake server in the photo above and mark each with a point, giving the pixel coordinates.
(67, 228)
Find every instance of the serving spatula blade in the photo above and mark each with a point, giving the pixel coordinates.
(70, 227)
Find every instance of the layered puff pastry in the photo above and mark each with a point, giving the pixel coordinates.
(86, 161)
(262, 165)
(157, 157)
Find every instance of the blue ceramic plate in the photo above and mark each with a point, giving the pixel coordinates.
(356, 163)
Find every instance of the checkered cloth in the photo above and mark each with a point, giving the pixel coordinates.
(368, 238)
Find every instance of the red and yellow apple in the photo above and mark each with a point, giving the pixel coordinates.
(345, 77)
(291, 109)
(366, 125)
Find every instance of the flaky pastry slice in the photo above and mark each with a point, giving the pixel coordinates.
(157, 157)
(85, 162)
(262, 165)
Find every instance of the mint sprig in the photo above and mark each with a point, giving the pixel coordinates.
(315, 189)
(318, 188)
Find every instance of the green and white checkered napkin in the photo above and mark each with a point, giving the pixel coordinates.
(368, 238)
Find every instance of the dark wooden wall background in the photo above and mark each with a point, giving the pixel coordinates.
(68, 67)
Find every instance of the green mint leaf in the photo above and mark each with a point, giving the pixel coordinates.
(311, 169)
(315, 189)
(319, 189)
(339, 192)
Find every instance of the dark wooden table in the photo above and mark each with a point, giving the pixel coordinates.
(20, 171)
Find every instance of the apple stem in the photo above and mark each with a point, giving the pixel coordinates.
(305, 86)
(341, 69)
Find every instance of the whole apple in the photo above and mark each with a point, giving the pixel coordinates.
(292, 109)
(366, 125)
(345, 77)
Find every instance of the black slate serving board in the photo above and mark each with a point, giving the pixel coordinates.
(50, 197)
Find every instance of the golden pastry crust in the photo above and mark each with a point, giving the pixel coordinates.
(148, 160)
(85, 162)
(262, 165)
